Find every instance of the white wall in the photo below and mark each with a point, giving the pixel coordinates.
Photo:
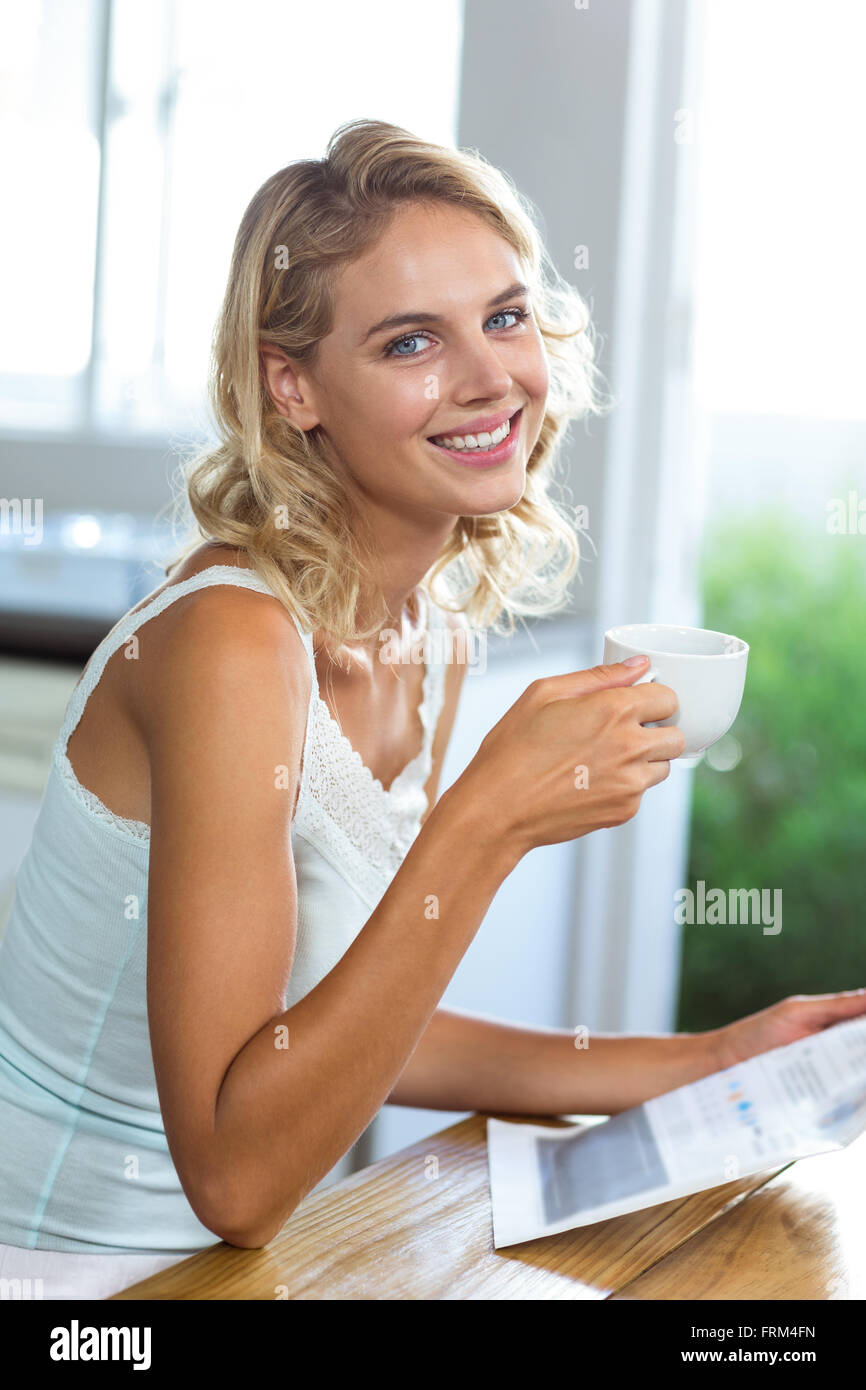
(543, 97)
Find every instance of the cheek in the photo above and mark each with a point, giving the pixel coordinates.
(399, 406)
(536, 377)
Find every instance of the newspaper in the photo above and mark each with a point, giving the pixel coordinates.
(808, 1097)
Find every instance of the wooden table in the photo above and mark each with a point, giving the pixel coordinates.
(411, 1228)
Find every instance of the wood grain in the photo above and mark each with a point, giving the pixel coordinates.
(803, 1235)
(392, 1231)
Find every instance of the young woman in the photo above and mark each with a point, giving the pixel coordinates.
(243, 901)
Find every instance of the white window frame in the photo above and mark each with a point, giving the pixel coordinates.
(625, 970)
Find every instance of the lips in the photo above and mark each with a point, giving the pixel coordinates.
(485, 424)
(484, 457)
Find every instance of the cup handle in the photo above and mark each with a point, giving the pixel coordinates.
(647, 679)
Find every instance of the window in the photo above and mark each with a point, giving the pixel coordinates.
(133, 137)
(780, 296)
(780, 273)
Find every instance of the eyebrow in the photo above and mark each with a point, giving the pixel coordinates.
(425, 316)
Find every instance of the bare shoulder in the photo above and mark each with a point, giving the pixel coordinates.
(457, 651)
(225, 645)
(456, 627)
(456, 654)
(455, 621)
(451, 650)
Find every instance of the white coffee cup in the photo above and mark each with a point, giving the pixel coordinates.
(706, 670)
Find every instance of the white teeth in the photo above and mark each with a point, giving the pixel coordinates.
(475, 441)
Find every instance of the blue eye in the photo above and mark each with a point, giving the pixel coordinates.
(412, 338)
(391, 350)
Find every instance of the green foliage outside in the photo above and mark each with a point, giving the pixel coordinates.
(792, 813)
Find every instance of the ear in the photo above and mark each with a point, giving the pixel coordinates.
(289, 390)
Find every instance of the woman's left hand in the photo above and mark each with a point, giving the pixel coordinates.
(792, 1018)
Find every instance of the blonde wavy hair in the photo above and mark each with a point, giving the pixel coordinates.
(268, 487)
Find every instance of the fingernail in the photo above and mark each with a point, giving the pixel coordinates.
(635, 660)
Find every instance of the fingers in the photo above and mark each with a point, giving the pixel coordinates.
(653, 701)
(650, 702)
(664, 744)
(657, 771)
(591, 680)
(822, 1010)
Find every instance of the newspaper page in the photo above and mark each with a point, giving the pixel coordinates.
(805, 1098)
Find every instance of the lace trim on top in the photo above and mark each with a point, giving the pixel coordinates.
(363, 829)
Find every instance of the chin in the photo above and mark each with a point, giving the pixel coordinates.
(498, 497)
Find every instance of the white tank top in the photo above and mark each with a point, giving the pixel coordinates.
(84, 1161)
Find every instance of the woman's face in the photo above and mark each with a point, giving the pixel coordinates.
(460, 355)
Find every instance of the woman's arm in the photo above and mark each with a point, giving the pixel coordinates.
(468, 1062)
(260, 1102)
(465, 1061)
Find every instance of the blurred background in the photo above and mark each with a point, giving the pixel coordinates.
(694, 167)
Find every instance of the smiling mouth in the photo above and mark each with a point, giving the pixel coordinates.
(476, 444)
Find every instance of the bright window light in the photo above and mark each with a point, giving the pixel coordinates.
(204, 100)
(780, 271)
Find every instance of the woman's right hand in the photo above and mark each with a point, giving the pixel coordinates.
(572, 755)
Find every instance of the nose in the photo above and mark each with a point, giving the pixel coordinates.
(479, 373)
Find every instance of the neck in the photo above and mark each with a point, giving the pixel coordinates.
(406, 548)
